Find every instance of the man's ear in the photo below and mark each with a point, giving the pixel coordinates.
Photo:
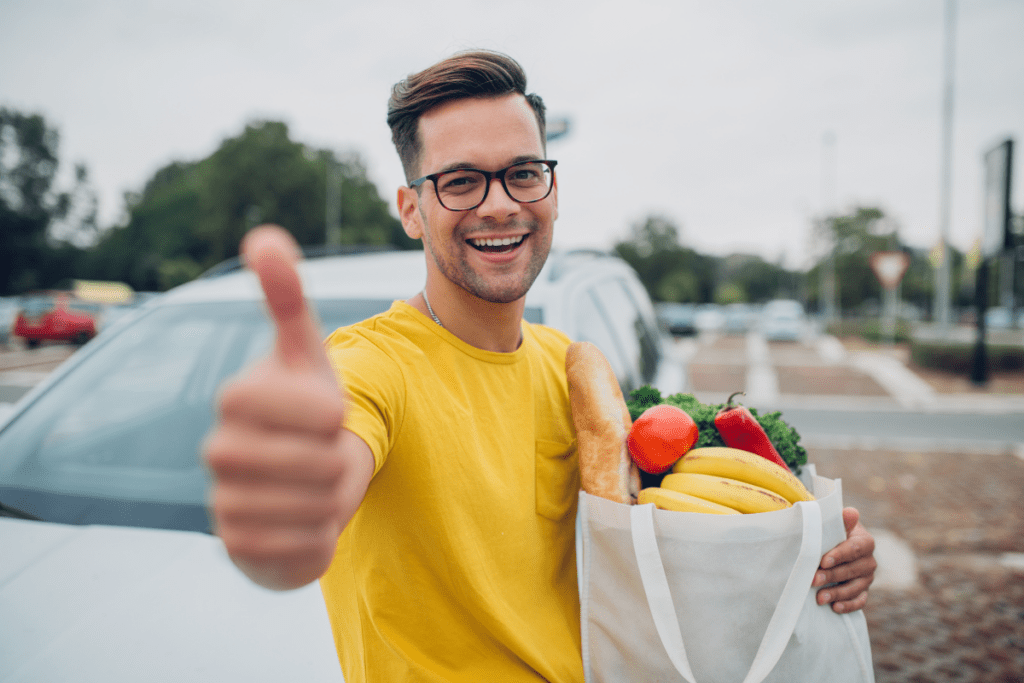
(554, 198)
(409, 212)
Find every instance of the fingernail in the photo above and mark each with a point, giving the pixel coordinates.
(819, 579)
(826, 597)
(827, 562)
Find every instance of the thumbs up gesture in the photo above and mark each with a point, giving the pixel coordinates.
(287, 476)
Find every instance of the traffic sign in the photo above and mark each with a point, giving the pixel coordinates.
(889, 267)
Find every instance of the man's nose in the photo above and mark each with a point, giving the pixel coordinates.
(497, 204)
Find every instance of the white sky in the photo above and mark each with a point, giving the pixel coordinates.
(710, 113)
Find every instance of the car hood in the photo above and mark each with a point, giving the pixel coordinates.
(99, 603)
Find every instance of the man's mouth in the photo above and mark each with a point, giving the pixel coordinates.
(497, 245)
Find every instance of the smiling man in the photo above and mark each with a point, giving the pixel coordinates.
(423, 463)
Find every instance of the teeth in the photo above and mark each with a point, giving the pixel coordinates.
(497, 243)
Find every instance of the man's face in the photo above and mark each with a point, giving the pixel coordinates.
(488, 134)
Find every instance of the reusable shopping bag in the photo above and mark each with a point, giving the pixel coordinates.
(682, 596)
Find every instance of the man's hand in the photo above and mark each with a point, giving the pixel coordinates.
(851, 565)
(287, 476)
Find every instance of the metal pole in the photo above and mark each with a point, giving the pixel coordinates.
(942, 284)
(829, 165)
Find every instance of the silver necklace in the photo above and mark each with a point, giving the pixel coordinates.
(432, 314)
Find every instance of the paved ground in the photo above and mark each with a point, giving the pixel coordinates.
(948, 604)
(960, 613)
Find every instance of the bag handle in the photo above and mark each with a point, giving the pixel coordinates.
(787, 611)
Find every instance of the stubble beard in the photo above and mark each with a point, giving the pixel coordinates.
(503, 289)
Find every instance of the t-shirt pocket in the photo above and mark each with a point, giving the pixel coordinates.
(558, 478)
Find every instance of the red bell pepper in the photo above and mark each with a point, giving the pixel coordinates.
(740, 429)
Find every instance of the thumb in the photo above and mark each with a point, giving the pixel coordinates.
(850, 518)
(273, 254)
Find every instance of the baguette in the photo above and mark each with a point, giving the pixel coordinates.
(602, 424)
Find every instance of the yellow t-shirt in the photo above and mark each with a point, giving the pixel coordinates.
(460, 563)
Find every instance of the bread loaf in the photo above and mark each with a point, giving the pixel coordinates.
(602, 424)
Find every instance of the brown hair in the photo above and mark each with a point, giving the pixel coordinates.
(478, 73)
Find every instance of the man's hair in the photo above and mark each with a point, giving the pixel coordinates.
(477, 73)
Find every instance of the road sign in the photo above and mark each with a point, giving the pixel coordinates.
(998, 235)
(889, 267)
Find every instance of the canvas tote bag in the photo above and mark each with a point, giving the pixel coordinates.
(680, 596)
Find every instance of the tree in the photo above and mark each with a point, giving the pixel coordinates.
(669, 271)
(39, 225)
(672, 272)
(192, 215)
(854, 237)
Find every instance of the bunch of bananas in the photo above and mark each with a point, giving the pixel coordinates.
(725, 481)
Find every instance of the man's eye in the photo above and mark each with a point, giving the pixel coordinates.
(524, 175)
(458, 183)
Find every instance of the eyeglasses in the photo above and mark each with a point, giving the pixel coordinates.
(465, 189)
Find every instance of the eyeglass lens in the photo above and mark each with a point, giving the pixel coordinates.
(465, 189)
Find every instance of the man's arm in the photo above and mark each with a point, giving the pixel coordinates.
(287, 477)
(850, 565)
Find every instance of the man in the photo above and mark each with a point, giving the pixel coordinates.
(423, 465)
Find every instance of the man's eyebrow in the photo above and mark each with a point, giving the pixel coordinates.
(463, 165)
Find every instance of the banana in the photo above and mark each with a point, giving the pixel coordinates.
(739, 495)
(751, 468)
(666, 499)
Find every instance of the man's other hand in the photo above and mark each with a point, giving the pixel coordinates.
(850, 565)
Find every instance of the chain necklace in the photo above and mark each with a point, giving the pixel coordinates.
(432, 314)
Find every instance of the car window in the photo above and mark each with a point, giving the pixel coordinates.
(594, 324)
(33, 306)
(636, 340)
(128, 421)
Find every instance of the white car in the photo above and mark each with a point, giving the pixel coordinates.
(108, 571)
(783, 320)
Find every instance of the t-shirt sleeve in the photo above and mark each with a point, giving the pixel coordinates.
(375, 390)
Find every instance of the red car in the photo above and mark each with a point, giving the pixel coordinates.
(55, 316)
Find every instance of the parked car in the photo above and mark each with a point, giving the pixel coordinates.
(738, 318)
(998, 318)
(783, 320)
(55, 316)
(710, 318)
(112, 439)
(679, 319)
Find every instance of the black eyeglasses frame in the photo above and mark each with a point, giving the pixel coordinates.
(489, 176)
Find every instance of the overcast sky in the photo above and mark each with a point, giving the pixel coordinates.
(713, 114)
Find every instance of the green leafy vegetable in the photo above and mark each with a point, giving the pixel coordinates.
(783, 437)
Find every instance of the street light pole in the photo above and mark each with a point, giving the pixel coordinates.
(942, 280)
(829, 171)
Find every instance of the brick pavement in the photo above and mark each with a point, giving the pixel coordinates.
(962, 514)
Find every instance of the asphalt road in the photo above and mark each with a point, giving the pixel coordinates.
(909, 429)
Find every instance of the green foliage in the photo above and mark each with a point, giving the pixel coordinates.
(192, 215)
(37, 221)
(785, 439)
(730, 293)
(672, 272)
(669, 271)
(959, 358)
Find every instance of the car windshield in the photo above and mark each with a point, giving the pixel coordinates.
(32, 306)
(127, 423)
